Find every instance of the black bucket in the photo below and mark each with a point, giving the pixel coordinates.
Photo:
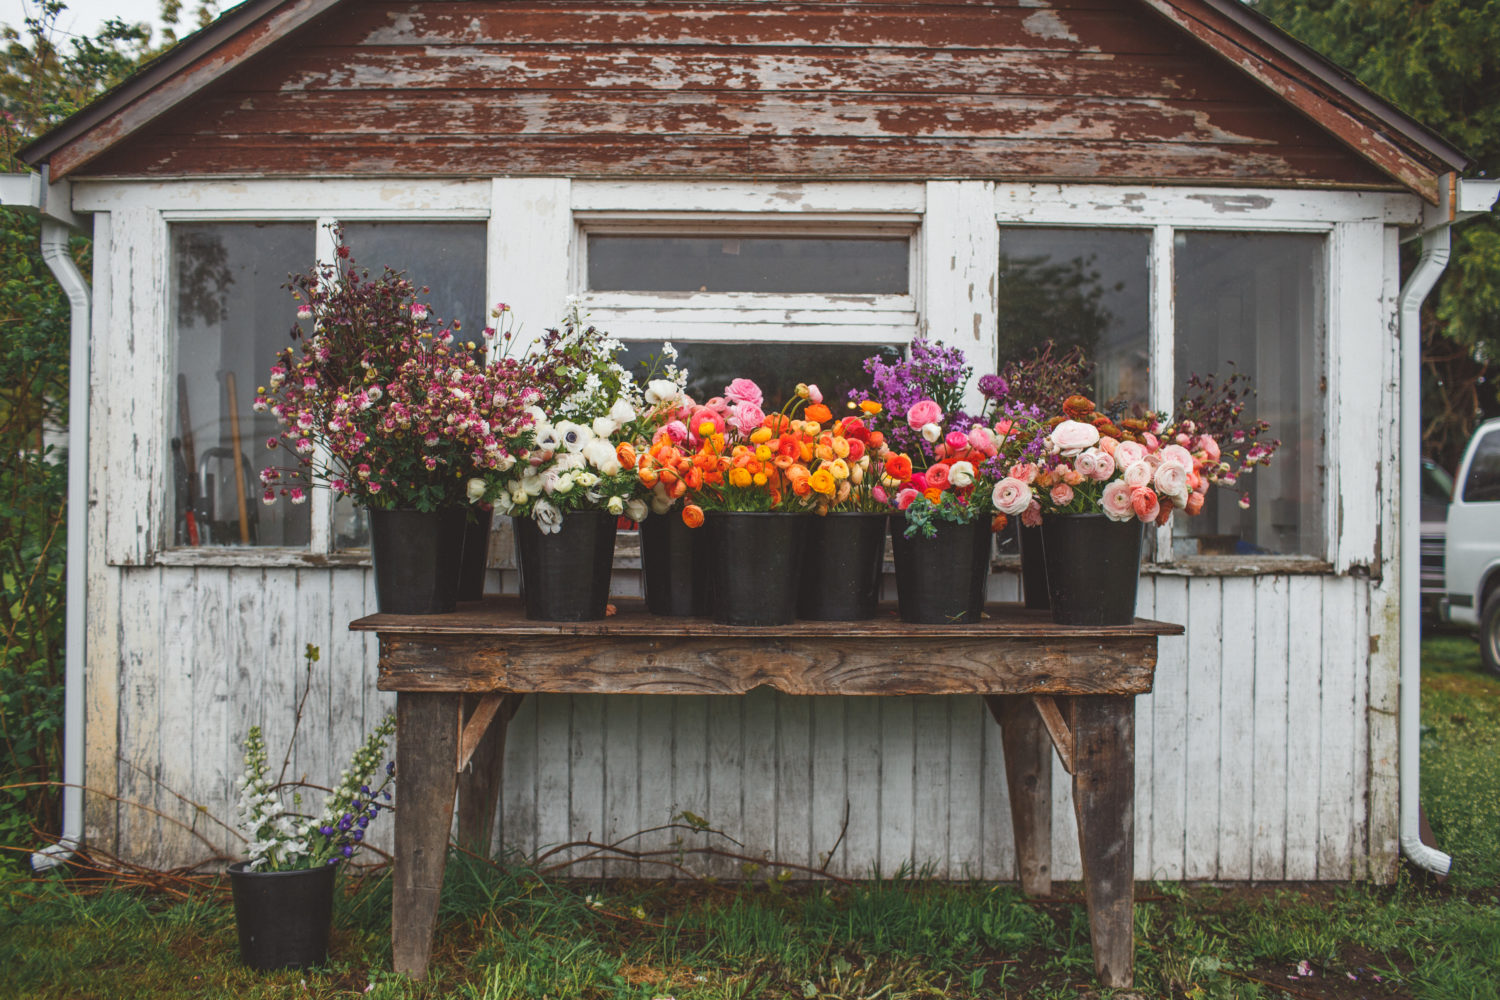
(283, 918)
(416, 555)
(942, 579)
(1033, 567)
(674, 566)
(756, 559)
(1093, 567)
(840, 579)
(565, 574)
(476, 554)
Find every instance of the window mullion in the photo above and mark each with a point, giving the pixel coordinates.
(321, 501)
(1163, 348)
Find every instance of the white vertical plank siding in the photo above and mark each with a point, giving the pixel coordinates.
(180, 626)
(1305, 620)
(757, 768)
(1169, 760)
(997, 839)
(862, 741)
(140, 714)
(215, 760)
(1336, 728)
(931, 787)
(653, 780)
(585, 781)
(829, 791)
(967, 720)
(1066, 861)
(318, 759)
(1204, 690)
(553, 765)
(1269, 714)
(897, 774)
(518, 796)
(1236, 728)
(795, 803)
(726, 748)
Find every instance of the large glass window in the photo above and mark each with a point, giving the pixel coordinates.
(1253, 302)
(1085, 288)
(231, 315)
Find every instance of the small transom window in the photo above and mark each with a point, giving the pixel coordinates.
(788, 265)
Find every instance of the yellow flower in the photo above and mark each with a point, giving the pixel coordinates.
(761, 435)
(871, 407)
(739, 477)
(823, 482)
(760, 479)
(763, 452)
(841, 447)
(811, 428)
(705, 428)
(803, 390)
(839, 468)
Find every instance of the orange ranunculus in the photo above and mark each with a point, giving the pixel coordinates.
(823, 482)
(818, 412)
(694, 478)
(805, 451)
(784, 461)
(669, 476)
(824, 452)
(898, 467)
(933, 493)
(998, 523)
(1078, 407)
(739, 476)
(841, 447)
(871, 407)
(802, 485)
(777, 423)
(625, 454)
(648, 477)
(877, 440)
(677, 489)
(692, 515)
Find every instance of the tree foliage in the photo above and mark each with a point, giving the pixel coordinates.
(1439, 61)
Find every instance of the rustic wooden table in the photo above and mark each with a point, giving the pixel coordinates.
(460, 677)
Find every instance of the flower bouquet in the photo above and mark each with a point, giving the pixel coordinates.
(384, 405)
(283, 893)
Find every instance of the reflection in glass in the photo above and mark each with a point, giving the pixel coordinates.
(785, 264)
(448, 258)
(1482, 483)
(1253, 302)
(775, 367)
(231, 315)
(1085, 288)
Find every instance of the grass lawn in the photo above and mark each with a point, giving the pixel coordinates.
(506, 934)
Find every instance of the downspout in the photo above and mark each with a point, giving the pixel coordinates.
(1430, 266)
(55, 252)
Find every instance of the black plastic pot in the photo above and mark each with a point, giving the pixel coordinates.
(283, 918)
(756, 559)
(1033, 567)
(840, 579)
(941, 579)
(476, 554)
(417, 555)
(1093, 567)
(675, 566)
(565, 574)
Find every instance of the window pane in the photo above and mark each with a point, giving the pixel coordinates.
(1482, 483)
(1253, 302)
(788, 264)
(775, 367)
(1086, 288)
(448, 258)
(231, 315)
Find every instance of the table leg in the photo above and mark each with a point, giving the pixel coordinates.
(479, 784)
(1104, 800)
(426, 750)
(1028, 774)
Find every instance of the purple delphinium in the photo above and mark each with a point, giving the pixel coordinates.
(929, 371)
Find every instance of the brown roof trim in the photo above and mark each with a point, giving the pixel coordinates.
(1374, 128)
(171, 78)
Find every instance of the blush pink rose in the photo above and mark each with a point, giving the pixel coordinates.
(1177, 453)
(1116, 502)
(748, 418)
(1032, 516)
(1011, 496)
(922, 413)
(1145, 504)
(1108, 445)
(1171, 480)
(1127, 453)
(981, 439)
(1104, 465)
(1209, 447)
(1024, 471)
(905, 497)
(742, 390)
(1152, 444)
(1062, 494)
(1072, 436)
(1138, 474)
(937, 475)
(1085, 463)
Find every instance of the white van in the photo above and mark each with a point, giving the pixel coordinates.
(1471, 553)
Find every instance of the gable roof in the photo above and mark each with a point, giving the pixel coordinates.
(135, 115)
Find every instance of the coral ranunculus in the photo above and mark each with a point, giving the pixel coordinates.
(819, 413)
(898, 467)
(692, 515)
(922, 413)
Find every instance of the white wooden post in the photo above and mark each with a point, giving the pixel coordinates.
(960, 268)
(529, 241)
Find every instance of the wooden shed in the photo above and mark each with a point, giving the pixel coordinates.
(1171, 183)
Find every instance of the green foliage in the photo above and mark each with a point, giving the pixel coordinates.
(1439, 61)
(1460, 746)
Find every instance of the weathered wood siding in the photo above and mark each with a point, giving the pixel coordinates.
(1071, 89)
(1252, 753)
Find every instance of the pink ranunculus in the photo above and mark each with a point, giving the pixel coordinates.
(878, 492)
(702, 414)
(1108, 444)
(1062, 494)
(1209, 447)
(676, 431)
(956, 441)
(1127, 453)
(905, 497)
(983, 440)
(1152, 444)
(1104, 465)
(922, 413)
(748, 417)
(1138, 474)
(1011, 496)
(742, 390)
(937, 475)
(1171, 480)
(1145, 504)
(1032, 516)
(1116, 502)
(1177, 453)
(1072, 436)
(1194, 504)
(1024, 471)
(814, 394)
(1086, 463)
(918, 481)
